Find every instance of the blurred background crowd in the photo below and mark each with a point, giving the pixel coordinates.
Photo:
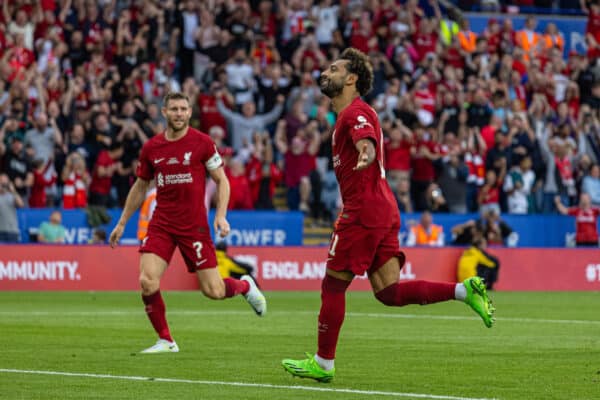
(502, 121)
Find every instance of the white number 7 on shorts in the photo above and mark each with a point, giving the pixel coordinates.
(198, 248)
(334, 242)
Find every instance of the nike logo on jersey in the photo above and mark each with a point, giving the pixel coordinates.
(158, 160)
(199, 263)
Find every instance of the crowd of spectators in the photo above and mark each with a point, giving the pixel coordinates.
(571, 7)
(504, 120)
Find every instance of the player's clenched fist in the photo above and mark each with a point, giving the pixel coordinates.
(115, 235)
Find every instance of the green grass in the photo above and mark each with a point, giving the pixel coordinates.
(533, 352)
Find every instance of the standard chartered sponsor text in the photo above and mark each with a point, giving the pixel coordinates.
(49, 270)
(178, 178)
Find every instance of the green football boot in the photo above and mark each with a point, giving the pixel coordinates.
(308, 368)
(479, 301)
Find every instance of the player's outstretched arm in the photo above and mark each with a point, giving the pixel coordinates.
(135, 198)
(221, 225)
(366, 153)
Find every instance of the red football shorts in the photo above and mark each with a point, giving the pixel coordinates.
(196, 248)
(358, 249)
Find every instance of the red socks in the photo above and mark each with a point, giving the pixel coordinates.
(416, 292)
(233, 287)
(331, 317)
(156, 311)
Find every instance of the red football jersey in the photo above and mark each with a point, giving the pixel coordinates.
(366, 195)
(101, 184)
(586, 224)
(179, 169)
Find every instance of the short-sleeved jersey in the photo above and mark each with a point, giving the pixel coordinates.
(101, 184)
(179, 169)
(586, 223)
(366, 195)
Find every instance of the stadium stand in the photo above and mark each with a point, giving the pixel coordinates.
(473, 119)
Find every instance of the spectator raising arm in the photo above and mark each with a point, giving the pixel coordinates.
(226, 112)
(19, 203)
(272, 115)
(6, 13)
(314, 138)
(281, 137)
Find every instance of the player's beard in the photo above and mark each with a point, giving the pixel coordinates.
(177, 126)
(330, 87)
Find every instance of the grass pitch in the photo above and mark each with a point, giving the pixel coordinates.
(544, 346)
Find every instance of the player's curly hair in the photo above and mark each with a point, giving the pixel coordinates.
(360, 65)
(175, 96)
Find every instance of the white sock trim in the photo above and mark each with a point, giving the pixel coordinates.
(460, 292)
(324, 363)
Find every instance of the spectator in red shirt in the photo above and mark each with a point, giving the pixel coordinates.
(489, 194)
(42, 178)
(425, 101)
(299, 157)
(507, 36)
(362, 34)
(308, 49)
(241, 197)
(106, 165)
(397, 153)
(453, 54)
(76, 180)
(209, 115)
(19, 58)
(266, 19)
(263, 175)
(592, 35)
(425, 40)
(49, 27)
(492, 33)
(586, 220)
(423, 153)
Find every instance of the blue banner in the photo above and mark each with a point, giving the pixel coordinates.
(572, 28)
(534, 230)
(266, 228)
(248, 228)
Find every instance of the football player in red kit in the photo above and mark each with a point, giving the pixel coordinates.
(178, 160)
(365, 238)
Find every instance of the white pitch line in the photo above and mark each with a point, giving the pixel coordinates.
(239, 384)
(287, 313)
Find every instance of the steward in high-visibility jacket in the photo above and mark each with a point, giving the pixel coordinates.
(466, 37)
(146, 212)
(528, 39)
(448, 29)
(553, 38)
(551, 41)
(427, 237)
(425, 233)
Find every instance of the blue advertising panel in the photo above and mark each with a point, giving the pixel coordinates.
(534, 230)
(248, 228)
(572, 28)
(266, 228)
